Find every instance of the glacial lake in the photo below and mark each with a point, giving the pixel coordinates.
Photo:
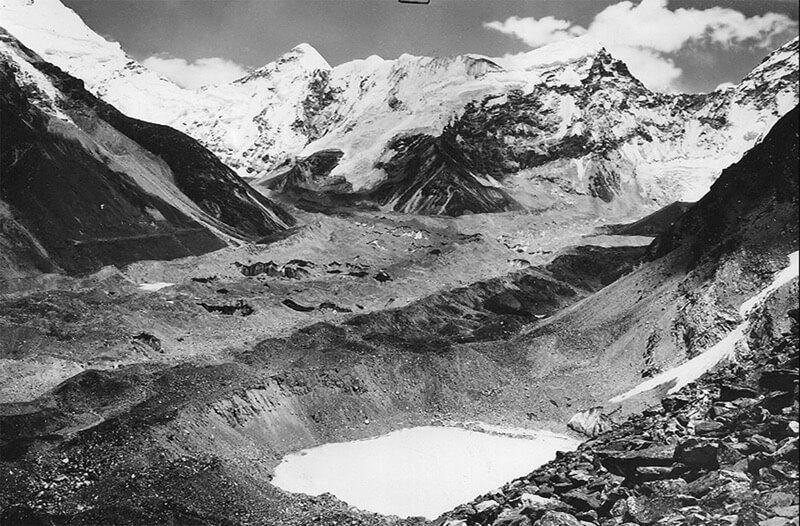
(421, 471)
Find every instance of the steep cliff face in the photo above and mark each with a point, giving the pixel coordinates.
(84, 186)
(569, 115)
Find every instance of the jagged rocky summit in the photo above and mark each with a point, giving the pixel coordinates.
(441, 135)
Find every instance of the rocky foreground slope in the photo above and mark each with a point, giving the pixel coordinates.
(86, 186)
(439, 135)
(723, 451)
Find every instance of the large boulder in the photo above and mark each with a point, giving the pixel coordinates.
(557, 518)
(591, 422)
(698, 453)
(629, 463)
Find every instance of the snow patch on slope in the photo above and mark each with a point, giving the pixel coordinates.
(554, 54)
(682, 375)
(44, 95)
(153, 287)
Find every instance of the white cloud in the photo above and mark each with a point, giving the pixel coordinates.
(651, 24)
(657, 71)
(539, 32)
(193, 75)
(644, 35)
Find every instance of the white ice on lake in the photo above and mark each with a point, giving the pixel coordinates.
(420, 471)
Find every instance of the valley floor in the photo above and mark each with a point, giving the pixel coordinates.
(167, 392)
(330, 269)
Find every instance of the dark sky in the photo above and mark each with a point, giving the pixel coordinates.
(255, 32)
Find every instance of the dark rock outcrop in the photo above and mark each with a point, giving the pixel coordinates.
(429, 175)
(291, 270)
(312, 173)
(296, 306)
(147, 342)
(240, 307)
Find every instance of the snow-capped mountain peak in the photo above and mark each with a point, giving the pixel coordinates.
(779, 66)
(307, 53)
(553, 54)
(60, 36)
(301, 60)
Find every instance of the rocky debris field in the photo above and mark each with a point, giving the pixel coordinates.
(721, 451)
(148, 441)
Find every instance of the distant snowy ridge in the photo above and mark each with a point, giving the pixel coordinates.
(590, 128)
(60, 36)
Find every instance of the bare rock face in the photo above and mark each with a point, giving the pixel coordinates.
(311, 173)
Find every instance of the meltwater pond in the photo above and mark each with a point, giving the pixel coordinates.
(418, 471)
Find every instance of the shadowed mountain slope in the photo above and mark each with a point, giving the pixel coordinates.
(687, 297)
(85, 186)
